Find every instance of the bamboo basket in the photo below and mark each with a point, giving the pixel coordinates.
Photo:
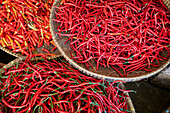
(102, 72)
(18, 60)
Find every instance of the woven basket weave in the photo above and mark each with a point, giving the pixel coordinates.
(167, 3)
(9, 52)
(18, 60)
(101, 72)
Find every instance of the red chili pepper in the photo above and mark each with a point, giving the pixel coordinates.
(23, 18)
(12, 106)
(62, 88)
(54, 48)
(113, 32)
(45, 50)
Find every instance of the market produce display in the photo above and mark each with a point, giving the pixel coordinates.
(53, 86)
(126, 35)
(24, 26)
(123, 35)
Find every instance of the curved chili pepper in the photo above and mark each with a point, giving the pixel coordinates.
(112, 32)
(23, 18)
(62, 88)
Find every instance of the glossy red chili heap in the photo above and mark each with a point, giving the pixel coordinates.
(24, 25)
(53, 86)
(127, 35)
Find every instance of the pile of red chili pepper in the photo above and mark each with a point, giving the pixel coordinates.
(24, 25)
(53, 86)
(127, 35)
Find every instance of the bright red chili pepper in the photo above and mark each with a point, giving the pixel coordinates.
(29, 19)
(62, 88)
(117, 34)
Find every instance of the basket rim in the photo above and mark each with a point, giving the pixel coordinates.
(74, 64)
(17, 55)
(167, 3)
(129, 100)
(19, 59)
(10, 52)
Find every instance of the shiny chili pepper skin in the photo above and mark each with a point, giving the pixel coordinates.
(54, 86)
(26, 22)
(115, 34)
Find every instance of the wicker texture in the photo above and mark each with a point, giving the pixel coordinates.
(9, 52)
(167, 3)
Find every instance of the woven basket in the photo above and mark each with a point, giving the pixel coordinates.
(39, 50)
(167, 3)
(18, 60)
(10, 52)
(102, 72)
